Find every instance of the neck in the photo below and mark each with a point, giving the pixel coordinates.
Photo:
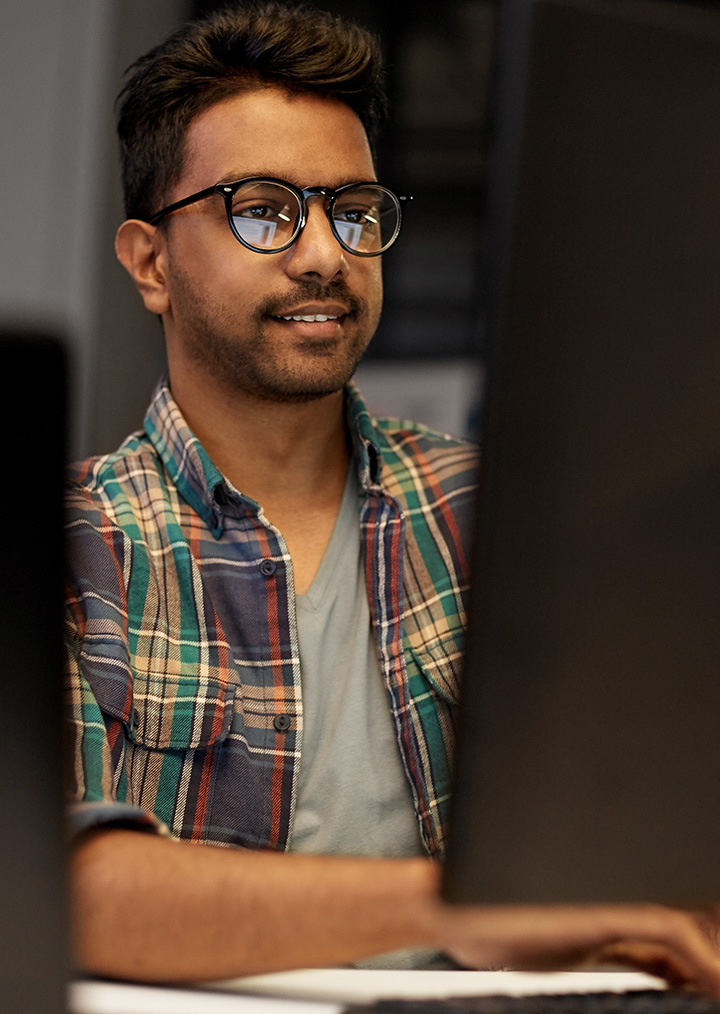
(269, 451)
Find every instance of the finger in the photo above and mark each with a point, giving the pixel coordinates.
(667, 941)
(529, 937)
(653, 959)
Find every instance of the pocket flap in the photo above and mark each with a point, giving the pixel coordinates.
(180, 712)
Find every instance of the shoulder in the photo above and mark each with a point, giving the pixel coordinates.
(415, 455)
(118, 511)
(115, 507)
(113, 484)
(413, 437)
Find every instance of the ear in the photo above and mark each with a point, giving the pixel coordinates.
(140, 248)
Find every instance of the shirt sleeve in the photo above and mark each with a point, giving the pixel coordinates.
(98, 689)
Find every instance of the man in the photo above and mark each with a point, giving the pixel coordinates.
(266, 587)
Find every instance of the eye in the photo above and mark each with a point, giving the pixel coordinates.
(269, 211)
(264, 214)
(265, 202)
(357, 214)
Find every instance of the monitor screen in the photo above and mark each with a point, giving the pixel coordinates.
(589, 754)
(34, 953)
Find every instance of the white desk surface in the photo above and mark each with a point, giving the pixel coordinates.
(327, 991)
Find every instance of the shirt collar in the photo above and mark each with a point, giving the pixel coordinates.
(186, 460)
(201, 483)
(363, 436)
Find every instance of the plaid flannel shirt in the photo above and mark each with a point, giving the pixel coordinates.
(183, 675)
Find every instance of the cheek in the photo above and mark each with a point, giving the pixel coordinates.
(220, 272)
(374, 292)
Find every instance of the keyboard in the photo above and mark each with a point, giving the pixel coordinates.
(653, 1001)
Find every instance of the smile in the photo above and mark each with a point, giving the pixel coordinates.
(312, 317)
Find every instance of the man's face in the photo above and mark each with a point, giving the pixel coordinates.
(229, 306)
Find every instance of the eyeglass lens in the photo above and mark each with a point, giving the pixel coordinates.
(265, 216)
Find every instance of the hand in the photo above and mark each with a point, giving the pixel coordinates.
(708, 919)
(652, 938)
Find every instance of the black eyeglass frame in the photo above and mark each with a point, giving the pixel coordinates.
(228, 190)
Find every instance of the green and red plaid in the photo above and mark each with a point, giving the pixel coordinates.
(183, 672)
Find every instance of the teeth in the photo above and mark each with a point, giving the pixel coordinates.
(311, 317)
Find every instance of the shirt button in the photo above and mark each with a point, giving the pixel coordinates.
(282, 722)
(268, 568)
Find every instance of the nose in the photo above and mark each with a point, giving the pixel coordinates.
(316, 253)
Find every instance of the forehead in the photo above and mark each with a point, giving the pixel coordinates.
(305, 139)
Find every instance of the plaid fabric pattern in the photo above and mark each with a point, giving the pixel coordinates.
(183, 674)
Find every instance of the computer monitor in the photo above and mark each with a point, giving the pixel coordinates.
(588, 761)
(34, 956)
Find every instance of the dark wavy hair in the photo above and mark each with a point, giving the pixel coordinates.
(239, 48)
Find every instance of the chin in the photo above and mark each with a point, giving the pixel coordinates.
(298, 388)
(298, 395)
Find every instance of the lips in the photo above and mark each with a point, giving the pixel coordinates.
(313, 318)
(313, 313)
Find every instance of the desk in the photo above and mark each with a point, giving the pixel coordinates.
(327, 991)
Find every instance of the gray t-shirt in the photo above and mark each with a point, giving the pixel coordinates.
(353, 795)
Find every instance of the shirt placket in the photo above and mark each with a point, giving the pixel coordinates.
(272, 707)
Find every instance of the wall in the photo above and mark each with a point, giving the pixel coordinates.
(59, 199)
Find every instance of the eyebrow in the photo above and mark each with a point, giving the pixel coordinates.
(233, 177)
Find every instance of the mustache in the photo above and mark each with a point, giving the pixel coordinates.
(313, 292)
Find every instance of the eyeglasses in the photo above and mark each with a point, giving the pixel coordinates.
(267, 215)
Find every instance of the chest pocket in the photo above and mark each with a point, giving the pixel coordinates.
(180, 712)
(175, 728)
(165, 730)
(439, 663)
(428, 722)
